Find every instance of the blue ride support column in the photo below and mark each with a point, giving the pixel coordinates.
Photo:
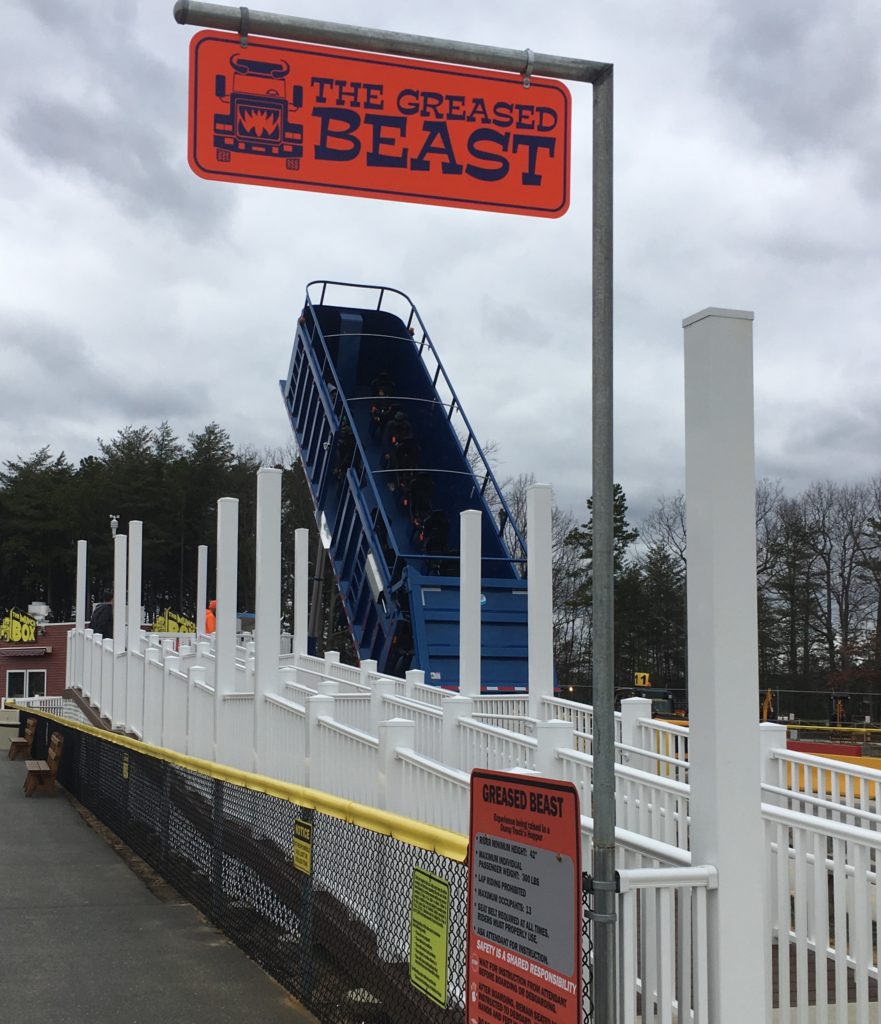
(724, 765)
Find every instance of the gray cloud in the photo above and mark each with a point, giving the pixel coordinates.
(746, 176)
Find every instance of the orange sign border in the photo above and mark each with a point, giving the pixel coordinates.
(560, 834)
(211, 168)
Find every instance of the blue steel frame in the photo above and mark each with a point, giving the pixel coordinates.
(381, 574)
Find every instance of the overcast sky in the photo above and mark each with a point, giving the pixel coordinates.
(748, 176)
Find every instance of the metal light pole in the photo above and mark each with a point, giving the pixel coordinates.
(600, 75)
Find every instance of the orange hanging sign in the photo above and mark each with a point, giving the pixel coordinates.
(311, 117)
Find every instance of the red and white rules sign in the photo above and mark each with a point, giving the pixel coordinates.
(313, 117)
(524, 905)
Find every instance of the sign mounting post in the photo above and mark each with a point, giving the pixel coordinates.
(246, 23)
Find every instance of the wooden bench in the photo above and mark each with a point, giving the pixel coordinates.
(23, 744)
(41, 774)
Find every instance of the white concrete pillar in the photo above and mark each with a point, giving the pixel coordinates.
(115, 708)
(539, 562)
(81, 599)
(225, 637)
(201, 588)
(469, 602)
(726, 821)
(301, 591)
(267, 601)
(76, 671)
(119, 596)
(135, 562)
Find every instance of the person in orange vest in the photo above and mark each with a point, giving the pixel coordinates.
(211, 617)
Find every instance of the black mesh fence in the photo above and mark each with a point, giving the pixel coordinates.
(323, 905)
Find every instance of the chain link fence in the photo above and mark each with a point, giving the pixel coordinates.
(320, 902)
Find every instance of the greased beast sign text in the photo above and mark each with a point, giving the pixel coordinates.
(328, 120)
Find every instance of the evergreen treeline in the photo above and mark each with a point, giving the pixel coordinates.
(818, 559)
(818, 567)
(47, 504)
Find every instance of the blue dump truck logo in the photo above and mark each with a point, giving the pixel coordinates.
(258, 105)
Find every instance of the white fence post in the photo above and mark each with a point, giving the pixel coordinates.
(76, 672)
(195, 674)
(225, 636)
(381, 689)
(367, 667)
(720, 493)
(540, 624)
(331, 658)
(552, 736)
(413, 677)
(633, 709)
(317, 705)
(772, 736)
(395, 733)
(88, 664)
(267, 606)
(201, 588)
(453, 709)
(170, 663)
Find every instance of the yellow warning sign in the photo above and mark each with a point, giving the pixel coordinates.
(303, 846)
(429, 935)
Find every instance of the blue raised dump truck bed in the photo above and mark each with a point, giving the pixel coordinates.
(391, 462)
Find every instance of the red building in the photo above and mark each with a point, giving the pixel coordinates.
(34, 666)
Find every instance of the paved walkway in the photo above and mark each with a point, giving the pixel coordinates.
(84, 939)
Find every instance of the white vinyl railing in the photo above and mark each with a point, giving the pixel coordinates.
(409, 748)
(828, 788)
(822, 908)
(662, 945)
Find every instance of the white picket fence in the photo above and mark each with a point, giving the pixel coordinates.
(409, 748)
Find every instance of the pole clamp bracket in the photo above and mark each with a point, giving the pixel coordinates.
(596, 885)
(244, 25)
(527, 71)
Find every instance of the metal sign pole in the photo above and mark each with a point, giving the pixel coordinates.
(600, 75)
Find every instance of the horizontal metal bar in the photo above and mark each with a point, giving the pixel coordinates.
(704, 876)
(308, 30)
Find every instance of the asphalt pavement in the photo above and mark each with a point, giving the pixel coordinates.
(83, 938)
